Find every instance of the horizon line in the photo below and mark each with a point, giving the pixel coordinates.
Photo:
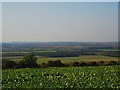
(50, 41)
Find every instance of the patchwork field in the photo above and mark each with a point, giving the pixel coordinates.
(85, 58)
(80, 58)
(62, 77)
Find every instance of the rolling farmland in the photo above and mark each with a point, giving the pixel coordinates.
(85, 58)
(89, 75)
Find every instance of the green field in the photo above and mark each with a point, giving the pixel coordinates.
(71, 59)
(78, 59)
(23, 52)
(62, 77)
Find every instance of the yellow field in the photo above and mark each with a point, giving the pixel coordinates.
(78, 59)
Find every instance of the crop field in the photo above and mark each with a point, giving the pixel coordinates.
(62, 77)
(80, 58)
(86, 58)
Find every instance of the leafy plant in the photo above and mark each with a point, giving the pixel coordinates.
(62, 77)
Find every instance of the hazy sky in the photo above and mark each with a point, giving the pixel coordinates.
(70, 21)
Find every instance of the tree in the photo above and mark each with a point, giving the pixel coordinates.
(30, 60)
(56, 63)
(75, 64)
(101, 63)
(8, 64)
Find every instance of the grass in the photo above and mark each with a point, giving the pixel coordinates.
(62, 77)
(71, 59)
(81, 58)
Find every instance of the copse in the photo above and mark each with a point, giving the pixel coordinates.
(75, 64)
(30, 60)
(8, 64)
(56, 63)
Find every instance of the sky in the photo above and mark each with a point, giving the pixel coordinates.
(59, 0)
(60, 21)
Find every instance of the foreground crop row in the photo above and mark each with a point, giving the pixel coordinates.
(62, 77)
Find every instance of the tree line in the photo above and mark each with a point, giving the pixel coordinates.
(30, 61)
